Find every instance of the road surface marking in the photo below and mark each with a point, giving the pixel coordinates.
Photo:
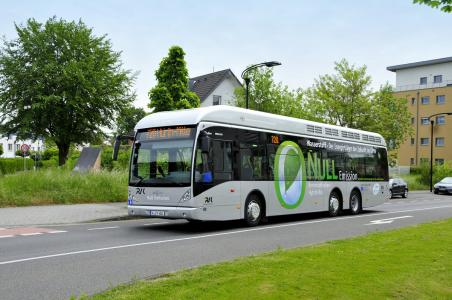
(197, 237)
(102, 228)
(57, 231)
(32, 233)
(387, 221)
(160, 223)
(5, 236)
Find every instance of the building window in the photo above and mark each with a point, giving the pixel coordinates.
(424, 141)
(412, 120)
(411, 161)
(425, 100)
(10, 147)
(412, 141)
(439, 142)
(423, 80)
(216, 100)
(440, 120)
(437, 78)
(424, 121)
(439, 161)
(440, 99)
(17, 147)
(413, 101)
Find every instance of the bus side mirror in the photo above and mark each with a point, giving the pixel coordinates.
(118, 140)
(204, 143)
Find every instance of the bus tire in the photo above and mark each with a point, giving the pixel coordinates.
(355, 202)
(334, 204)
(253, 210)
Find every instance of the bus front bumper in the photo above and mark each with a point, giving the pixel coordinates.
(164, 212)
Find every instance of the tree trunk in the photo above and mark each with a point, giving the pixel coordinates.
(63, 151)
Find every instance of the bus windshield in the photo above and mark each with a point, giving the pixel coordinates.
(162, 162)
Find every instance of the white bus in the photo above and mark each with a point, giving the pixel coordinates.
(228, 163)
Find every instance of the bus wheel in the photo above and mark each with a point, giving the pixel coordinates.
(334, 204)
(253, 210)
(355, 203)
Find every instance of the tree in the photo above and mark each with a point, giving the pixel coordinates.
(444, 5)
(268, 96)
(128, 118)
(171, 91)
(59, 81)
(346, 99)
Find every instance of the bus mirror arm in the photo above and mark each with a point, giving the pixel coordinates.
(118, 140)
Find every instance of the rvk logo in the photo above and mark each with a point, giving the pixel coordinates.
(289, 175)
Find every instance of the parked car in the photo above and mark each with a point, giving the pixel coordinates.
(398, 187)
(444, 186)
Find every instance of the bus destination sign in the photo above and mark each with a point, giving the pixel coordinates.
(165, 133)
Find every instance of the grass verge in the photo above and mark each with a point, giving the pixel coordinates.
(410, 263)
(60, 186)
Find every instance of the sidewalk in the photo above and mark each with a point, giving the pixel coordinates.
(60, 214)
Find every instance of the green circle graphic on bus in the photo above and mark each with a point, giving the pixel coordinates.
(289, 175)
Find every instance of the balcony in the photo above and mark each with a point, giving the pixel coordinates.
(430, 85)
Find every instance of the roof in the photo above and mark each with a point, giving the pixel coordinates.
(232, 115)
(204, 85)
(420, 64)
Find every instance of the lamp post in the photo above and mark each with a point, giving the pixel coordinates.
(267, 64)
(432, 122)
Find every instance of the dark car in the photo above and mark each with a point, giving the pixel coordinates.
(444, 186)
(398, 187)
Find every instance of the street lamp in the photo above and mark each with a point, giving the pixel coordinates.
(267, 64)
(432, 122)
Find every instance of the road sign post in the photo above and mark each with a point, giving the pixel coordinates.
(24, 148)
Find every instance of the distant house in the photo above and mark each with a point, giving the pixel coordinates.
(215, 88)
(11, 144)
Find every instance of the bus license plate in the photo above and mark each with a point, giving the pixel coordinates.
(157, 213)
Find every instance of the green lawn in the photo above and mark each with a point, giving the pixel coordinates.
(61, 186)
(411, 263)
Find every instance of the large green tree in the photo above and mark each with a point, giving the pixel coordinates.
(444, 5)
(128, 118)
(60, 81)
(346, 98)
(267, 95)
(171, 91)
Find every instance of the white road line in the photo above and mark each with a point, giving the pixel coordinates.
(5, 236)
(160, 223)
(30, 234)
(102, 228)
(387, 221)
(57, 231)
(214, 235)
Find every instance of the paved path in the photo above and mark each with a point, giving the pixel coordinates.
(60, 214)
(63, 260)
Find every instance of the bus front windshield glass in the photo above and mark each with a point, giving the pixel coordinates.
(162, 162)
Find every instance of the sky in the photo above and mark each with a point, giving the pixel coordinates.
(307, 37)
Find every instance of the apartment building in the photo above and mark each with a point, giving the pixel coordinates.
(427, 88)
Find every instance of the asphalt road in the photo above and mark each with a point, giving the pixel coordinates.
(59, 261)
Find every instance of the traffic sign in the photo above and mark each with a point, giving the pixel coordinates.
(24, 148)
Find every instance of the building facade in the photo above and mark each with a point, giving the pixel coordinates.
(215, 88)
(11, 144)
(427, 88)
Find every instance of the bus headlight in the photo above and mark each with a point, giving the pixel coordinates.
(186, 196)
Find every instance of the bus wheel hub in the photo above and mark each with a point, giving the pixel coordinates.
(254, 210)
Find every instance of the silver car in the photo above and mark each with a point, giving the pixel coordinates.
(444, 186)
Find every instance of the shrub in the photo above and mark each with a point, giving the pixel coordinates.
(439, 172)
(13, 165)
